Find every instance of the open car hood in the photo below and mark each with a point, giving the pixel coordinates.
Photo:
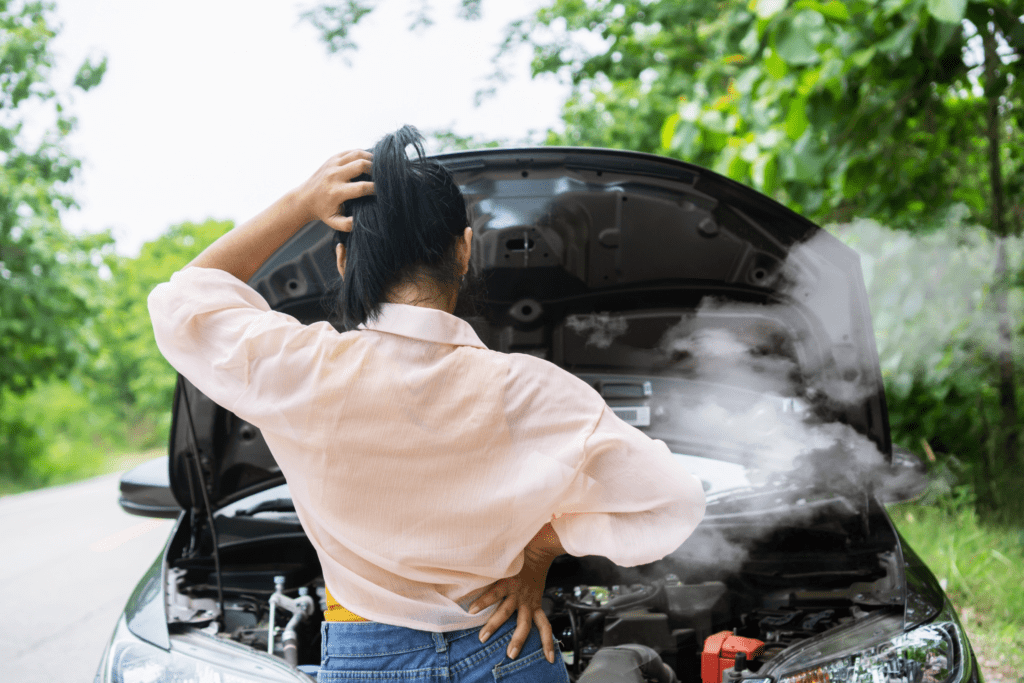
(560, 233)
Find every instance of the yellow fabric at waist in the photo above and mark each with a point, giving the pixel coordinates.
(336, 612)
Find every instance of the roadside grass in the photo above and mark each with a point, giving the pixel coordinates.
(87, 468)
(981, 566)
(62, 431)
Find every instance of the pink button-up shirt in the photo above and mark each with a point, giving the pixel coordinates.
(419, 461)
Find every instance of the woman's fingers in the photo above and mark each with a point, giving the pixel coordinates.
(353, 169)
(339, 223)
(524, 622)
(361, 189)
(547, 637)
(493, 594)
(340, 184)
(352, 155)
(344, 158)
(326, 190)
(343, 193)
(358, 167)
(500, 616)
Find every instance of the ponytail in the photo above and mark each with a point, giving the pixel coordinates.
(407, 230)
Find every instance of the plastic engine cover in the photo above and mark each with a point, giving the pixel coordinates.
(720, 654)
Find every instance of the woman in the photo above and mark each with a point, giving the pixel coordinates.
(437, 479)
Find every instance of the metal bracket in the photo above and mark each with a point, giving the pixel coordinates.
(183, 607)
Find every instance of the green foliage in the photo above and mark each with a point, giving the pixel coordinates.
(450, 141)
(835, 108)
(934, 306)
(90, 74)
(128, 362)
(45, 273)
(335, 20)
(59, 431)
(980, 565)
(20, 442)
(48, 277)
(469, 9)
(119, 400)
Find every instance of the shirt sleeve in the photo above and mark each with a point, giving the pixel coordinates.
(631, 501)
(222, 336)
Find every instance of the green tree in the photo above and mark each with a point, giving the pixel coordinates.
(931, 306)
(47, 276)
(128, 364)
(812, 102)
(335, 20)
(118, 400)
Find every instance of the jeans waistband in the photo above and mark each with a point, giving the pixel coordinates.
(344, 637)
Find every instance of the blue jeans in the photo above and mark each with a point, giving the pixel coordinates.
(370, 651)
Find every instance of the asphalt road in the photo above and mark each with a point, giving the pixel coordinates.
(69, 559)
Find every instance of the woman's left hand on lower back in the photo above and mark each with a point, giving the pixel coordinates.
(521, 593)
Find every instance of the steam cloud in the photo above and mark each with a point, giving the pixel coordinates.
(758, 397)
(775, 416)
(603, 328)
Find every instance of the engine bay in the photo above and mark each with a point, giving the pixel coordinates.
(688, 617)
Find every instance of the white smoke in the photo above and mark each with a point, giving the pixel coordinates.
(760, 392)
(603, 328)
(932, 296)
(761, 400)
(720, 357)
(709, 547)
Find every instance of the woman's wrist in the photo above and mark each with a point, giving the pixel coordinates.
(298, 203)
(546, 542)
(247, 246)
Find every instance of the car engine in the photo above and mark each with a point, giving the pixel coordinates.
(688, 618)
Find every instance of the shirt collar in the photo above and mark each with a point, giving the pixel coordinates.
(420, 322)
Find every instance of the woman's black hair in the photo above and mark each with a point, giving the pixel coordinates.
(407, 231)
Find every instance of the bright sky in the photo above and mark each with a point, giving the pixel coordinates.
(212, 108)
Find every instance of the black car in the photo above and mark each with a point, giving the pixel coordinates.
(708, 316)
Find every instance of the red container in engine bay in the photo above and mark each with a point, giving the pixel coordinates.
(720, 654)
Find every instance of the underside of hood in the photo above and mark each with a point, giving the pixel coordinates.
(563, 232)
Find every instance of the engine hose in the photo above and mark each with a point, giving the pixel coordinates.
(291, 648)
(621, 603)
(630, 663)
(575, 626)
(301, 608)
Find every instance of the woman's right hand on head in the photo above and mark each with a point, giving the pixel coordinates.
(323, 194)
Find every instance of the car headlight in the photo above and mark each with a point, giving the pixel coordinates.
(936, 652)
(193, 658)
